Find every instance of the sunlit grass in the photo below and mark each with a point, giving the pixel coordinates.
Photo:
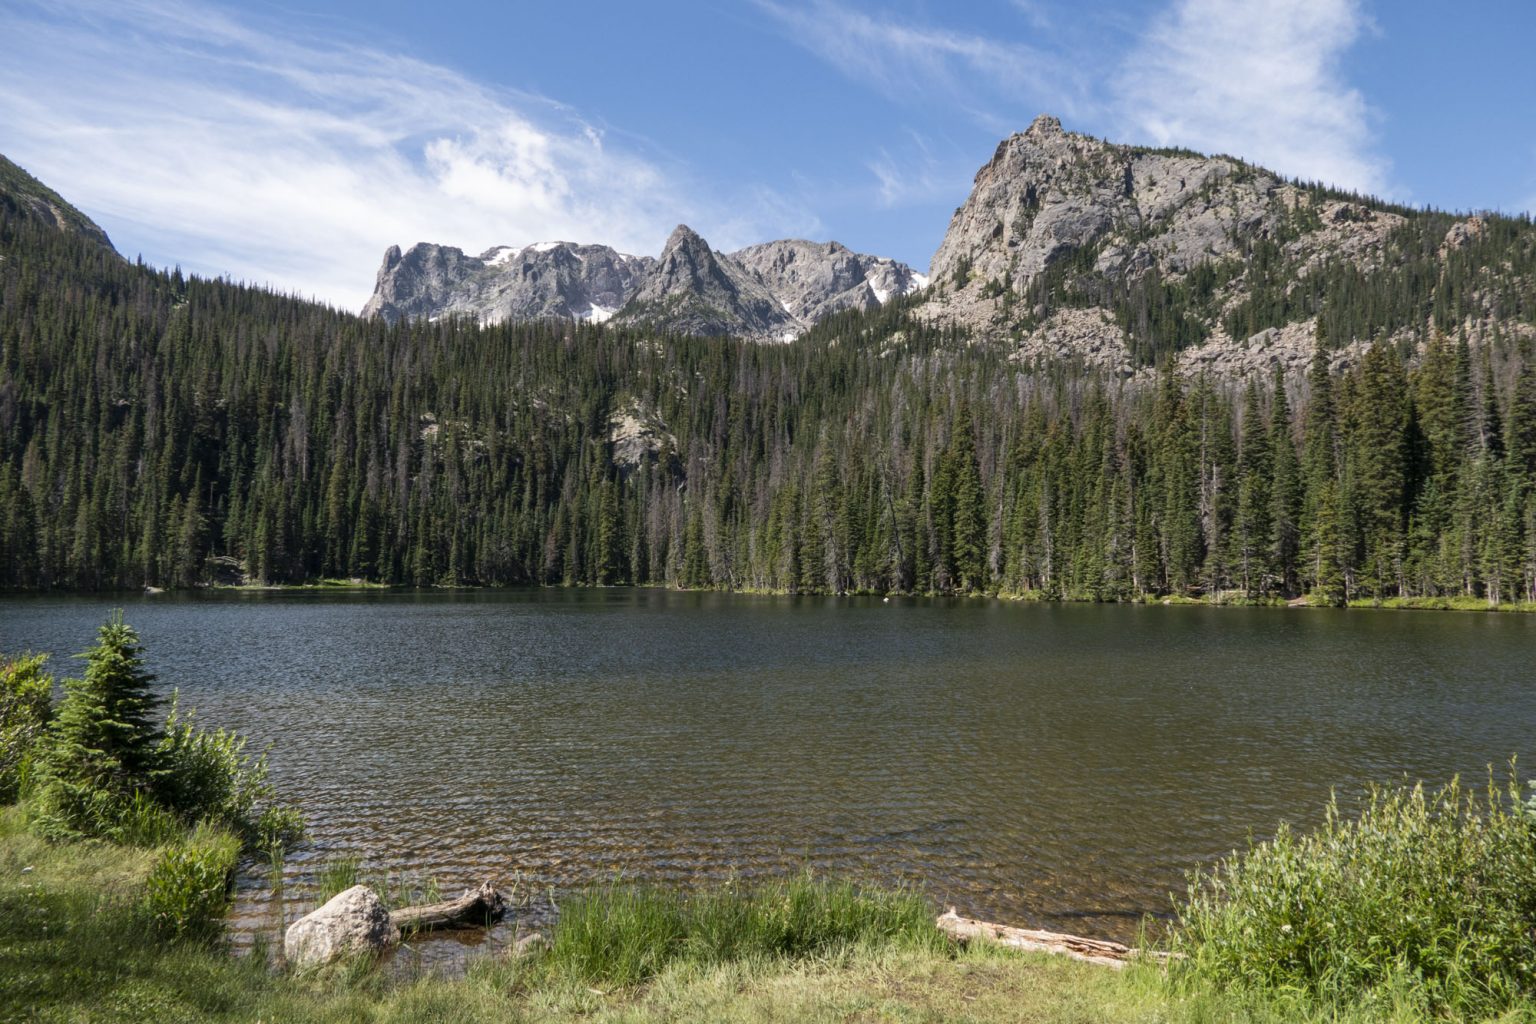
(627, 934)
(74, 947)
(1432, 892)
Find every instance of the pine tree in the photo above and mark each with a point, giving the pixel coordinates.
(1285, 493)
(1378, 455)
(1319, 468)
(103, 750)
(1520, 432)
(968, 509)
(1255, 469)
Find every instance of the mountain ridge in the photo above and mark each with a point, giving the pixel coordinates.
(1077, 249)
(772, 291)
(47, 205)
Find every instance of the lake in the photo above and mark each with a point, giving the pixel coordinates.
(1058, 765)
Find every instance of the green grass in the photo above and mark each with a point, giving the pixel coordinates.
(627, 934)
(1429, 892)
(1456, 603)
(73, 947)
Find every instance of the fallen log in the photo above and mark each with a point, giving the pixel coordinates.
(1093, 951)
(475, 907)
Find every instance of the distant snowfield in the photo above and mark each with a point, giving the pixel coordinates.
(498, 256)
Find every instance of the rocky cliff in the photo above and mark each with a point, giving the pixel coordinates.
(694, 290)
(1119, 256)
(547, 279)
(44, 204)
(814, 279)
(768, 292)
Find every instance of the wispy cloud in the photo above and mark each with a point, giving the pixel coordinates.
(916, 174)
(912, 62)
(198, 136)
(1258, 79)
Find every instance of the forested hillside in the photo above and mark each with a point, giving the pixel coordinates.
(161, 430)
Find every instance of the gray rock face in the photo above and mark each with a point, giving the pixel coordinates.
(769, 292)
(814, 279)
(48, 206)
(1048, 196)
(638, 436)
(694, 290)
(547, 279)
(350, 923)
(1047, 193)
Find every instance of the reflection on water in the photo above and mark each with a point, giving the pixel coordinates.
(1063, 765)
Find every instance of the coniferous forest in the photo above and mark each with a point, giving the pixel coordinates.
(162, 430)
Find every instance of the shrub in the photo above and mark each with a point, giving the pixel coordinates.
(26, 694)
(107, 771)
(207, 775)
(1433, 887)
(626, 934)
(188, 887)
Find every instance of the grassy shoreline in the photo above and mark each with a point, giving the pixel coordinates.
(73, 948)
(1457, 603)
(119, 842)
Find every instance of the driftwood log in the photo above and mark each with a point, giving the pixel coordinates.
(1093, 951)
(476, 907)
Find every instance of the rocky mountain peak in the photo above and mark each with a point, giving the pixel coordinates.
(694, 290)
(687, 262)
(1057, 213)
(1045, 124)
(816, 279)
(1072, 248)
(685, 238)
(546, 279)
(768, 292)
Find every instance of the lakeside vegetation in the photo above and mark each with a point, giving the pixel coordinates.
(170, 431)
(121, 829)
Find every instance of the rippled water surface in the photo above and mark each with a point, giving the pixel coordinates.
(1063, 765)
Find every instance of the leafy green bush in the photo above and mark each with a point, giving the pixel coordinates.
(1438, 888)
(26, 694)
(626, 934)
(188, 888)
(207, 775)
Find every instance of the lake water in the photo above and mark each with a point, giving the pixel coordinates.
(1061, 765)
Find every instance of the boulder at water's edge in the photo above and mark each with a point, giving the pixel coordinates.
(350, 923)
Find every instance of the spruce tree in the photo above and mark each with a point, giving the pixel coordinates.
(1252, 524)
(103, 750)
(968, 508)
(1378, 457)
(1285, 492)
(1319, 468)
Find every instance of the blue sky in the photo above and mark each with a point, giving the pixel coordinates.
(290, 146)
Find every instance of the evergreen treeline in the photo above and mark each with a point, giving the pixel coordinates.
(156, 429)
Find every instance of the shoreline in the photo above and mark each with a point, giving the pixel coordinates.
(1440, 603)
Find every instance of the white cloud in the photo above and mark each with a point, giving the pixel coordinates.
(916, 63)
(198, 137)
(916, 175)
(1258, 79)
